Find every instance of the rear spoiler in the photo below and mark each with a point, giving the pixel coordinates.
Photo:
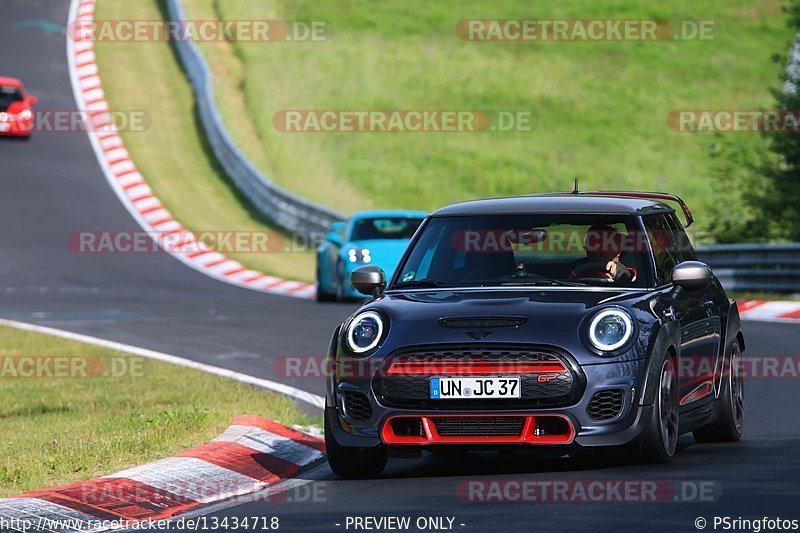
(651, 196)
(637, 194)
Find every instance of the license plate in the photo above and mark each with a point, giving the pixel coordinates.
(445, 388)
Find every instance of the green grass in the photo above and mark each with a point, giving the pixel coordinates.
(172, 154)
(601, 107)
(62, 430)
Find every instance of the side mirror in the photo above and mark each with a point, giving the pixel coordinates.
(334, 237)
(369, 280)
(32, 100)
(692, 275)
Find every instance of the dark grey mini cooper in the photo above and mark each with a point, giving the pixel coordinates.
(556, 323)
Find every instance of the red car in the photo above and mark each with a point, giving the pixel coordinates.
(16, 112)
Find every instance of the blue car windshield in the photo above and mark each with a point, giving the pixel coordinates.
(366, 229)
(537, 250)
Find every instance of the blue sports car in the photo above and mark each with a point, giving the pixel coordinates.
(368, 238)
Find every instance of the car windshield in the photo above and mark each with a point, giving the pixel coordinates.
(532, 250)
(384, 228)
(8, 95)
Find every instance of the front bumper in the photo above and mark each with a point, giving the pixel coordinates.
(373, 424)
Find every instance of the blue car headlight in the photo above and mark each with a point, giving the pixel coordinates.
(359, 255)
(610, 329)
(364, 332)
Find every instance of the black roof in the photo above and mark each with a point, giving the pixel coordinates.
(556, 203)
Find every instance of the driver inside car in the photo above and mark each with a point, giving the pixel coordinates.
(603, 246)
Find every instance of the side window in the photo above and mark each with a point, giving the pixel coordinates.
(682, 242)
(663, 244)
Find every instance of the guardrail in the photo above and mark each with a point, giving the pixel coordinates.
(740, 267)
(286, 210)
(755, 267)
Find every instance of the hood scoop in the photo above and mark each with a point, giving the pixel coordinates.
(487, 322)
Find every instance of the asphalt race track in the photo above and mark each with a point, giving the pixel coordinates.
(51, 186)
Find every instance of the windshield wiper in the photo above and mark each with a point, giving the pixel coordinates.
(418, 284)
(534, 283)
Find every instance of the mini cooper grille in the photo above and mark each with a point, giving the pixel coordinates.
(606, 404)
(479, 425)
(356, 406)
(485, 322)
(537, 389)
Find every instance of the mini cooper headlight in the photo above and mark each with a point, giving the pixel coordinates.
(364, 332)
(610, 329)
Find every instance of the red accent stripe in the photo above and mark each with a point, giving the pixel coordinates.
(234, 272)
(131, 185)
(110, 148)
(300, 287)
(105, 135)
(279, 429)
(449, 368)
(151, 209)
(119, 160)
(793, 315)
(85, 63)
(256, 276)
(749, 305)
(161, 221)
(243, 460)
(701, 391)
(198, 254)
(217, 262)
(143, 197)
(94, 101)
(125, 173)
(272, 284)
(432, 436)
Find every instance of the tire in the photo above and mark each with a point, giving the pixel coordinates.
(661, 437)
(730, 407)
(339, 296)
(349, 462)
(322, 296)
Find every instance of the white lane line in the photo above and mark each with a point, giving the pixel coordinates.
(280, 388)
